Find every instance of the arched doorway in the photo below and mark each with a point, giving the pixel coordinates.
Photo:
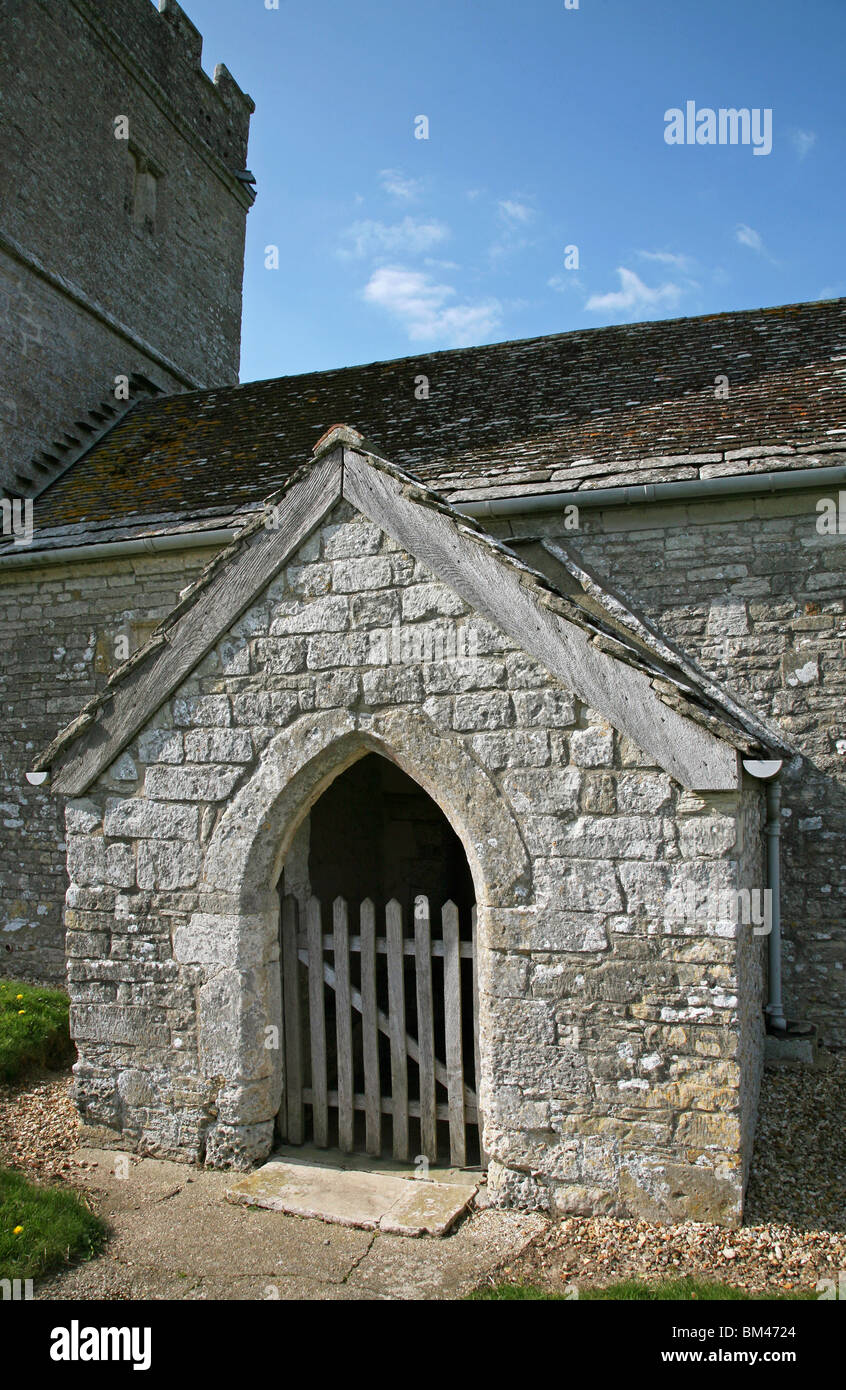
(378, 974)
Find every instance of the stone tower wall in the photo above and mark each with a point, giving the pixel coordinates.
(117, 255)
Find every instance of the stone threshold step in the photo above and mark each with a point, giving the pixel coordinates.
(377, 1197)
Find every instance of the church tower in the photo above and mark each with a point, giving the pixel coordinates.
(122, 222)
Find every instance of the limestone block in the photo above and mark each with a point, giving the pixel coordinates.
(351, 540)
(576, 885)
(186, 783)
(221, 940)
(202, 710)
(378, 608)
(535, 929)
(599, 793)
(139, 818)
(168, 864)
(82, 816)
(592, 747)
(707, 836)
(91, 861)
(336, 689)
(160, 746)
(513, 748)
(553, 709)
(612, 837)
(337, 649)
(423, 601)
(238, 1146)
(351, 576)
(123, 769)
(491, 710)
(553, 791)
(278, 656)
(643, 793)
(508, 1187)
(463, 674)
(109, 1023)
(308, 581)
(329, 614)
(218, 746)
(392, 685)
(271, 707)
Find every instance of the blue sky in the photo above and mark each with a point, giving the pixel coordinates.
(546, 131)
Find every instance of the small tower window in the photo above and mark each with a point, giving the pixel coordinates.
(145, 188)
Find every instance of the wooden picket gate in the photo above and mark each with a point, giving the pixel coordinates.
(436, 997)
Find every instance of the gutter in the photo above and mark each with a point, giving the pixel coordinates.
(691, 489)
(22, 557)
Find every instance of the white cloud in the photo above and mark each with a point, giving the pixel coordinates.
(803, 141)
(409, 237)
(425, 308)
(678, 262)
(514, 212)
(399, 185)
(747, 236)
(633, 295)
(564, 283)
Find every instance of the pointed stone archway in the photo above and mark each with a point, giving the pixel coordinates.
(234, 936)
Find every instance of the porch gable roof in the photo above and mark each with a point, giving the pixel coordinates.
(599, 650)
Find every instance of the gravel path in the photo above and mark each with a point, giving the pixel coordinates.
(794, 1236)
(39, 1126)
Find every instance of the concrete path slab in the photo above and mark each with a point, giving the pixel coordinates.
(173, 1236)
(380, 1197)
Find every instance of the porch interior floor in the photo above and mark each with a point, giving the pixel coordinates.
(374, 1194)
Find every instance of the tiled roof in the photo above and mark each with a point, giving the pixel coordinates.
(599, 408)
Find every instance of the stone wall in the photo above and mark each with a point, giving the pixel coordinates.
(615, 1073)
(117, 254)
(757, 594)
(60, 635)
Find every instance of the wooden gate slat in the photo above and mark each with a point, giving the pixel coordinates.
(396, 1017)
(360, 1103)
(291, 1023)
(381, 1018)
(370, 1029)
(425, 1028)
(452, 1017)
(476, 1054)
(317, 1019)
(343, 1020)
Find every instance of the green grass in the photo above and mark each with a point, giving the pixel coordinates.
(33, 1028)
(638, 1290)
(55, 1226)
